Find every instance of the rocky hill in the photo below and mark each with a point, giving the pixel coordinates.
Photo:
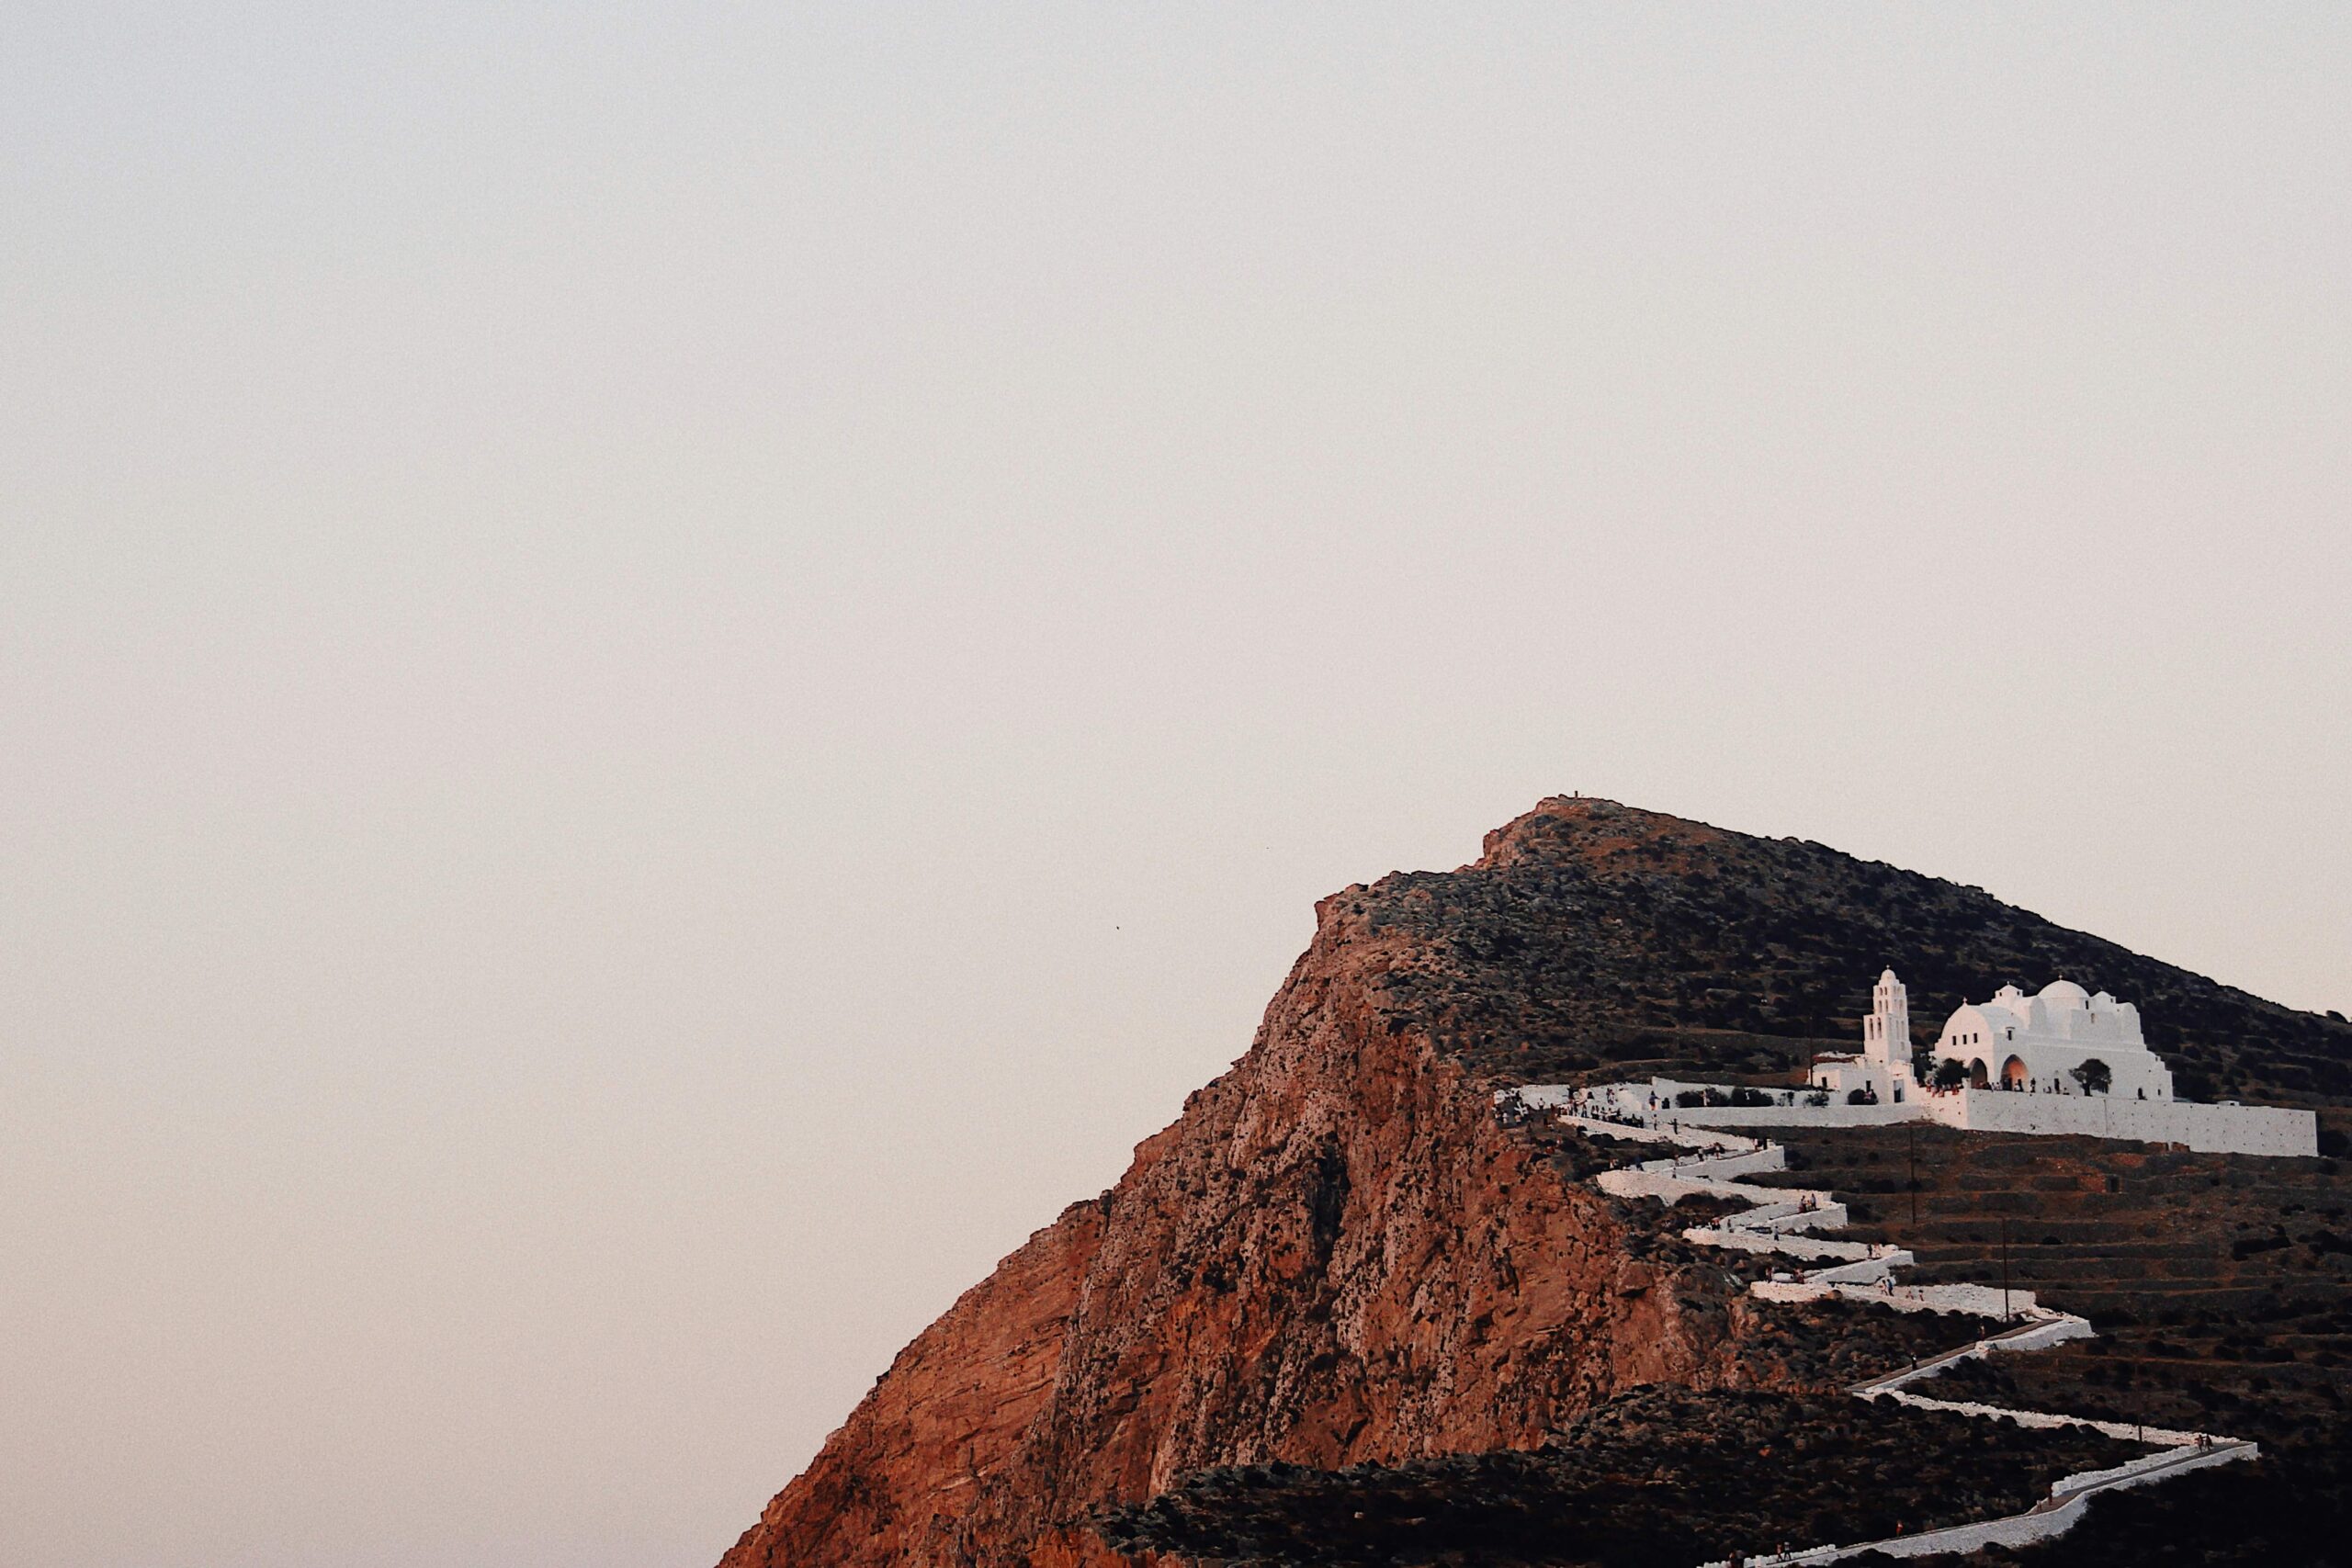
(1338, 1256)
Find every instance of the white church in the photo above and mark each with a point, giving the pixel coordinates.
(2062, 1039)
(2062, 1060)
(2043, 1043)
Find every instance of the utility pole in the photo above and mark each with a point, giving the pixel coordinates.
(1912, 1128)
(2005, 1268)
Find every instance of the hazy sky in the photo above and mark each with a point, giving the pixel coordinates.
(669, 668)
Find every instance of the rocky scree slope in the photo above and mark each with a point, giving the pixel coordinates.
(1336, 1256)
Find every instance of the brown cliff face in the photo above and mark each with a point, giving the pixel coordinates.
(1336, 1255)
(941, 1423)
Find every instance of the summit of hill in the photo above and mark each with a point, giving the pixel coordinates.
(1341, 1277)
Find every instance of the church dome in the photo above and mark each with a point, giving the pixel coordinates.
(2065, 994)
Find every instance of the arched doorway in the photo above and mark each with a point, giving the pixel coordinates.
(2013, 1074)
(1976, 1074)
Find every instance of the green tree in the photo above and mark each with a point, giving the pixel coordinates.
(2093, 1075)
(1949, 1074)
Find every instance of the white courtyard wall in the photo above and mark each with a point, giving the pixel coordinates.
(2212, 1129)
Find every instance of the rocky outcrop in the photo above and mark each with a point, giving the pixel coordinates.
(1336, 1255)
(940, 1426)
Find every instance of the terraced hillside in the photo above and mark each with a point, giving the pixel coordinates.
(2221, 1287)
(2236, 1260)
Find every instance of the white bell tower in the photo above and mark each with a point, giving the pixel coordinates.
(1886, 1033)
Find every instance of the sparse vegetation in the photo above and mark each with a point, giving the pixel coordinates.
(1659, 1478)
(2222, 1289)
(1614, 942)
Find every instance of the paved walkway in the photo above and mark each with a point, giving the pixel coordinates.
(1865, 1272)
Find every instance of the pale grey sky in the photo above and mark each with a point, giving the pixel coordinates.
(669, 668)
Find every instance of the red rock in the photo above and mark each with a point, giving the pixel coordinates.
(1335, 1254)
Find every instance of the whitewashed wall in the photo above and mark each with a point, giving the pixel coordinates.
(2212, 1129)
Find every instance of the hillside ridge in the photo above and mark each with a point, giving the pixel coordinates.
(1337, 1256)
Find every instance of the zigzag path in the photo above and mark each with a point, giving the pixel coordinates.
(1775, 1221)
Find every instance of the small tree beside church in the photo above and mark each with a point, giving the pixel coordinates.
(2093, 1075)
(1949, 1075)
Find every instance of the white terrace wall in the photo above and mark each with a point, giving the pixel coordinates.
(1667, 1189)
(2210, 1129)
(1755, 1162)
(2022, 1529)
(2213, 1129)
